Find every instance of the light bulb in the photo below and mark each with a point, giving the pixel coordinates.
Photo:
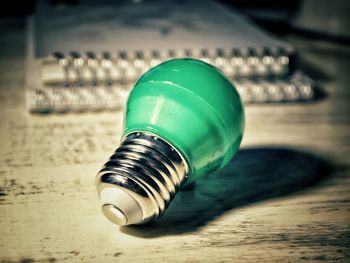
(184, 119)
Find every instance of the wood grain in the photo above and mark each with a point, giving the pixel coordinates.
(284, 197)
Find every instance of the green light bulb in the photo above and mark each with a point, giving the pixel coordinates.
(184, 119)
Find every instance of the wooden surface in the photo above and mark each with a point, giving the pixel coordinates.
(284, 198)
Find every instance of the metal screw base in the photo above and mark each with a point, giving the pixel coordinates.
(140, 179)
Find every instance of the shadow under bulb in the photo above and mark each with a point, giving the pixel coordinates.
(184, 119)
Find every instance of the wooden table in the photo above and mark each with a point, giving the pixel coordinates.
(284, 198)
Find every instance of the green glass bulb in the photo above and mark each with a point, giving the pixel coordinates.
(184, 119)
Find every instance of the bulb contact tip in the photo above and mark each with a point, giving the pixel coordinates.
(114, 215)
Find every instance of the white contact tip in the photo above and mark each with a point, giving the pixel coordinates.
(119, 207)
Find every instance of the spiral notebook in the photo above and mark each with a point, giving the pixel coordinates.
(83, 58)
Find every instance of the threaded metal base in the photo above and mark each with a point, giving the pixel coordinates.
(144, 173)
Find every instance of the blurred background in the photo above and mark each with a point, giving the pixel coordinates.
(95, 46)
(308, 17)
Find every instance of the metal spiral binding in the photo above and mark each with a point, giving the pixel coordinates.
(147, 168)
(297, 87)
(103, 80)
(108, 68)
